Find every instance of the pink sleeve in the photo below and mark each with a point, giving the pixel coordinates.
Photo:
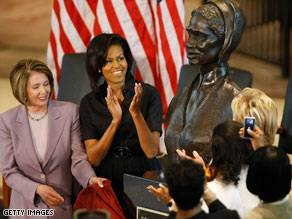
(14, 177)
(81, 168)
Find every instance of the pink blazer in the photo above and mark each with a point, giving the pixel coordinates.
(65, 156)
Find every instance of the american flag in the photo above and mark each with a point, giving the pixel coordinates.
(154, 30)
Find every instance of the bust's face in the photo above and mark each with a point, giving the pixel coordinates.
(203, 45)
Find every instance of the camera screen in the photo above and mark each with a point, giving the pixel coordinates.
(248, 125)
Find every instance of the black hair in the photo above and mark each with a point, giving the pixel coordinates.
(97, 52)
(230, 152)
(269, 174)
(185, 181)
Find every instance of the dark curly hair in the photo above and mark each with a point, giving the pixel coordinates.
(230, 152)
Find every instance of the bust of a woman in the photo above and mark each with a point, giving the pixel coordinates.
(214, 32)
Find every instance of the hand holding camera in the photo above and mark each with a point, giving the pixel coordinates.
(252, 132)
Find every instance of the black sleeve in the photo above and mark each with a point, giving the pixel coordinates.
(218, 210)
(88, 130)
(216, 206)
(172, 215)
(154, 111)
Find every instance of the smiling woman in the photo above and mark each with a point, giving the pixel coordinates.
(38, 92)
(115, 69)
(121, 119)
(40, 144)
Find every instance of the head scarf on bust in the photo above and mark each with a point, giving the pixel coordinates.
(234, 21)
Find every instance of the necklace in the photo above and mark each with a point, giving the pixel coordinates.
(38, 119)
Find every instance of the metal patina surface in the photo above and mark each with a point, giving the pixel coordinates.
(214, 31)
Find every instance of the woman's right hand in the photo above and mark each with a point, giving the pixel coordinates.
(257, 135)
(113, 105)
(49, 196)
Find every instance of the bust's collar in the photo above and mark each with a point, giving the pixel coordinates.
(211, 77)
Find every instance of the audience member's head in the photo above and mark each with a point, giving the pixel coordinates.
(20, 74)
(269, 174)
(91, 214)
(230, 152)
(252, 102)
(185, 181)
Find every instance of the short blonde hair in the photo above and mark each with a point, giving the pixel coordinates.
(253, 102)
(19, 76)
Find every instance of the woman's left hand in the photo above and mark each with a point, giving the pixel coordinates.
(96, 180)
(257, 137)
(161, 193)
(135, 104)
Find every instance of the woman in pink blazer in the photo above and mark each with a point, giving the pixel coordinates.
(40, 146)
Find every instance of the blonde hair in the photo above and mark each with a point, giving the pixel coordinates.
(19, 76)
(253, 102)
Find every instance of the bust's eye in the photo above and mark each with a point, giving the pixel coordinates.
(199, 36)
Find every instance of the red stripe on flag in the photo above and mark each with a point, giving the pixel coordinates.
(92, 4)
(96, 27)
(138, 75)
(78, 22)
(178, 26)
(170, 66)
(114, 21)
(55, 54)
(65, 43)
(158, 84)
(147, 44)
(143, 33)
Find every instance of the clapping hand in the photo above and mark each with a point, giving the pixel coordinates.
(135, 104)
(113, 105)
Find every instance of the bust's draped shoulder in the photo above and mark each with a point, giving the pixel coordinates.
(193, 114)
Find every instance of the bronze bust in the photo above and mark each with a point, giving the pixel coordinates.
(214, 32)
